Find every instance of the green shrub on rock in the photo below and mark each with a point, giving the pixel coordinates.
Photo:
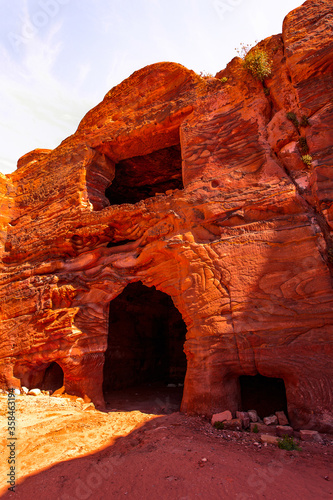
(258, 63)
(307, 159)
(288, 443)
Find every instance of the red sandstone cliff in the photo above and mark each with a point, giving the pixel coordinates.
(211, 203)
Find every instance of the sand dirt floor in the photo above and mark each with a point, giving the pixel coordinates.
(141, 448)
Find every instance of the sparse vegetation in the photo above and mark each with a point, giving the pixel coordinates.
(293, 118)
(255, 429)
(219, 425)
(244, 49)
(303, 145)
(304, 121)
(258, 63)
(288, 443)
(330, 255)
(224, 79)
(307, 159)
(205, 74)
(266, 91)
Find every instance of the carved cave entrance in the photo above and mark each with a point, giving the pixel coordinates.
(142, 177)
(264, 394)
(144, 362)
(53, 377)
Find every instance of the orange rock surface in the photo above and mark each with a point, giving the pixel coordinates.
(195, 186)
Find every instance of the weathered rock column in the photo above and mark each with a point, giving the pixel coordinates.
(209, 386)
(83, 376)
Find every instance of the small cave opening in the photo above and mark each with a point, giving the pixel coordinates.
(144, 176)
(53, 377)
(113, 244)
(266, 395)
(145, 364)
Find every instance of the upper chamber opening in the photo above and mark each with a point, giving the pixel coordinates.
(142, 177)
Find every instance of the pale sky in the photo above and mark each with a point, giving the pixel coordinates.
(59, 58)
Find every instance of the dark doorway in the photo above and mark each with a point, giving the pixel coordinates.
(264, 394)
(145, 341)
(53, 378)
(142, 177)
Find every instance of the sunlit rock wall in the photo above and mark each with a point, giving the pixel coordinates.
(211, 204)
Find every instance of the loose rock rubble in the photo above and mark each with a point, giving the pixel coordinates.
(271, 420)
(222, 417)
(282, 419)
(253, 415)
(284, 430)
(267, 428)
(307, 435)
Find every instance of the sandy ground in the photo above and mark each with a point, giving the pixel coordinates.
(67, 450)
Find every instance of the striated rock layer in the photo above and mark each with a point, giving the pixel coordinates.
(195, 186)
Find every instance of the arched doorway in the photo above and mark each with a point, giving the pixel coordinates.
(53, 377)
(145, 347)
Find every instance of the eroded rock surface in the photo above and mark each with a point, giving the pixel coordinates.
(211, 203)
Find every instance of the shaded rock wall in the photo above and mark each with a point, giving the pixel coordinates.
(244, 249)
